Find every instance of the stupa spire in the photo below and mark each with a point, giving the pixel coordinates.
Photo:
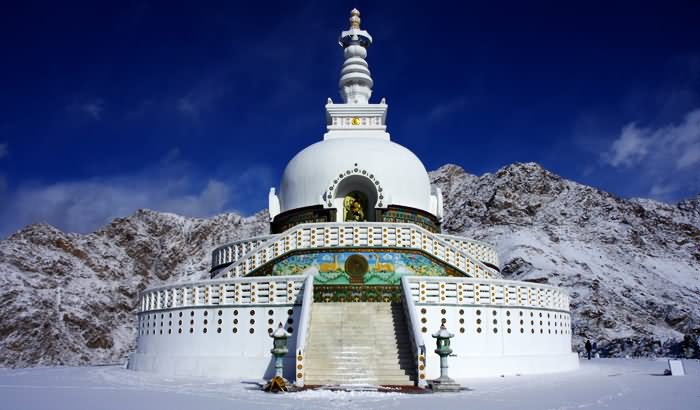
(355, 80)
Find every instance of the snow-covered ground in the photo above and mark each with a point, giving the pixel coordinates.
(619, 384)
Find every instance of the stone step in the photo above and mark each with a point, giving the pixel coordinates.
(359, 381)
(362, 367)
(351, 354)
(371, 363)
(360, 325)
(362, 330)
(356, 376)
(325, 368)
(340, 359)
(349, 305)
(359, 353)
(373, 351)
(364, 334)
(368, 333)
(377, 345)
(352, 340)
(370, 317)
(356, 330)
(361, 362)
(355, 337)
(355, 342)
(358, 343)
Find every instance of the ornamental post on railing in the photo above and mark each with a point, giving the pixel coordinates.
(416, 339)
(305, 317)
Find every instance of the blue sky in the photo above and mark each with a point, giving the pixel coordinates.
(196, 107)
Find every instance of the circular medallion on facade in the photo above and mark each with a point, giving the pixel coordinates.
(356, 121)
(356, 266)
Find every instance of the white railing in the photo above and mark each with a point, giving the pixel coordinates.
(361, 234)
(231, 252)
(479, 250)
(417, 343)
(229, 291)
(471, 291)
(304, 320)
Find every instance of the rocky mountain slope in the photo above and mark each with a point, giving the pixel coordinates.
(632, 267)
(71, 299)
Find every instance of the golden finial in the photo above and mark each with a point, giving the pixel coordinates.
(355, 19)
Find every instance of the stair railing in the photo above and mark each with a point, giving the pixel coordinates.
(304, 321)
(417, 343)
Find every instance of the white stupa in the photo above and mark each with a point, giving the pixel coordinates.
(358, 270)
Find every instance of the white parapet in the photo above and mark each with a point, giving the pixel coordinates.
(217, 328)
(501, 327)
(459, 254)
(221, 328)
(231, 252)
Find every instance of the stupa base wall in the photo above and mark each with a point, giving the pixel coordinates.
(262, 367)
(224, 367)
(221, 328)
(494, 366)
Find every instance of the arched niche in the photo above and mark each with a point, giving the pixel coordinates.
(354, 195)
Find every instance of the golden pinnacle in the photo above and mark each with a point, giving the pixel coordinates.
(355, 19)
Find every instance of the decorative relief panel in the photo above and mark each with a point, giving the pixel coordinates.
(361, 268)
(402, 214)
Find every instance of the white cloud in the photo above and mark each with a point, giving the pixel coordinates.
(677, 143)
(186, 106)
(84, 205)
(3, 150)
(630, 148)
(447, 108)
(81, 206)
(668, 157)
(204, 95)
(92, 109)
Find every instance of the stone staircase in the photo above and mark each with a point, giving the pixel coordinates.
(359, 343)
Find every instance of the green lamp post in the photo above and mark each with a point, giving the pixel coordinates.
(443, 383)
(279, 350)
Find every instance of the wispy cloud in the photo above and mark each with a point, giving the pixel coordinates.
(447, 108)
(631, 147)
(3, 150)
(186, 106)
(84, 205)
(92, 109)
(205, 94)
(668, 156)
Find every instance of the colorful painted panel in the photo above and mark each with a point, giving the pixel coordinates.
(295, 217)
(358, 268)
(408, 215)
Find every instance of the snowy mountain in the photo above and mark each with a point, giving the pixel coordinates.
(632, 267)
(71, 299)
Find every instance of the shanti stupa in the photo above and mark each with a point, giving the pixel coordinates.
(359, 273)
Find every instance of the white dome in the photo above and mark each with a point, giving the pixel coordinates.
(315, 174)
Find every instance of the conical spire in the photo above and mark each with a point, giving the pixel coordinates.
(355, 80)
